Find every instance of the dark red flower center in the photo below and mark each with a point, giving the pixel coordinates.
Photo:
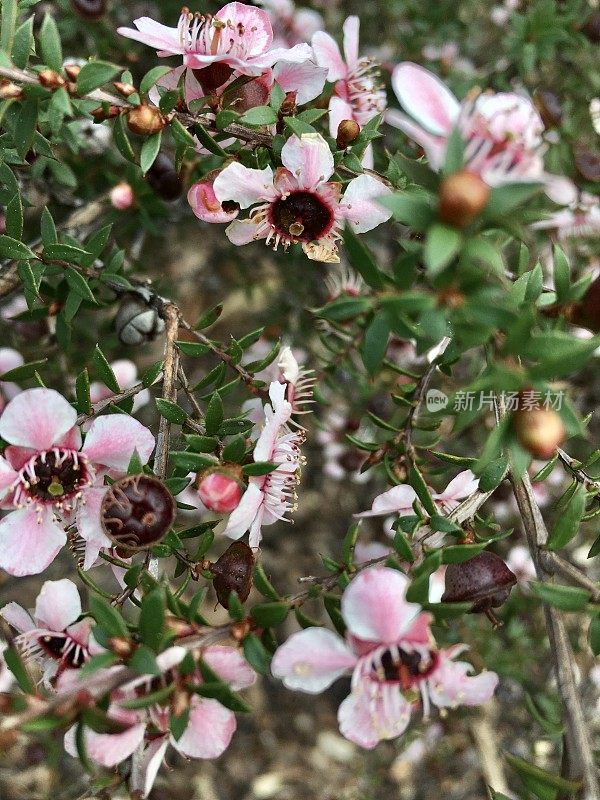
(53, 477)
(64, 649)
(405, 667)
(302, 216)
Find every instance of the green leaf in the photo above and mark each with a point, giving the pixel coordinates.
(362, 260)
(150, 150)
(8, 24)
(214, 415)
(79, 285)
(25, 128)
(594, 634)
(402, 547)
(13, 249)
(349, 543)
(263, 584)
(298, 126)
(345, 308)
(14, 217)
(562, 281)
(456, 554)
(442, 245)
(493, 474)
(151, 77)
(23, 41)
(151, 374)
(543, 784)
(189, 460)
(107, 617)
(50, 46)
(95, 74)
(48, 228)
(268, 614)
(209, 143)
(143, 661)
(569, 520)
(24, 371)
(147, 700)
(122, 140)
(259, 116)
(375, 343)
(171, 411)
(208, 318)
(259, 468)
(567, 598)
(16, 665)
(256, 654)
(506, 198)
(152, 620)
(104, 370)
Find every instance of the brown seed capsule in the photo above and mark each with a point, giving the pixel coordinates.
(588, 164)
(483, 580)
(591, 28)
(51, 79)
(145, 120)
(100, 114)
(462, 197)
(548, 104)
(163, 178)
(137, 512)
(586, 312)
(233, 572)
(539, 430)
(91, 10)
(347, 132)
(125, 89)
(72, 71)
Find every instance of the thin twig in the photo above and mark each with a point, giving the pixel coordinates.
(553, 563)
(169, 390)
(98, 407)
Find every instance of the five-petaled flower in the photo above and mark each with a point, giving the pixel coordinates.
(502, 132)
(298, 204)
(393, 658)
(358, 93)
(48, 479)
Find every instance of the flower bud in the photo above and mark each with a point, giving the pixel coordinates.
(463, 196)
(220, 488)
(145, 120)
(121, 646)
(137, 321)
(137, 512)
(72, 71)
(348, 130)
(233, 572)
(588, 164)
(124, 89)
(100, 114)
(163, 178)
(91, 10)
(591, 28)
(549, 107)
(586, 312)
(51, 79)
(539, 430)
(288, 107)
(121, 196)
(10, 91)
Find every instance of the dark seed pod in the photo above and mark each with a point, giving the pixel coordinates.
(588, 164)
(137, 321)
(347, 132)
(92, 10)
(137, 512)
(548, 104)
(591, 28)
(233, 572)
(586, 312)
(483, 580)
(163, 179)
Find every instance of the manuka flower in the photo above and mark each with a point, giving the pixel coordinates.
(9, 359)
(125, 371)
(502, 132)
(580, 220)
(270, 497)
(55, 635)
(46, 476)
(298, 204)
(393, 658)
(358, 92)
(146, 732)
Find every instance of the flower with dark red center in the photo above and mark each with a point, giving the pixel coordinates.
(49, 480)
(137, 512)
(298, 204)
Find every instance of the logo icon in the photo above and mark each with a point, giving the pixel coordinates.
(435, 400)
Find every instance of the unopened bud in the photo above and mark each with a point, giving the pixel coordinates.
(347, 132)
(51, 79)
(588, 164)
(539, 430)
(462, 197)
(72, 71)
(220, 488)
(233, 573)
(548, 104)
(586, 312)
(125, 89)
(179, 627)
(288, 107)
(591, 28)
(122, 196)
(180, 702)
(91, 10)
(121, 646)
(137, 321)
(10, 91)
(239, 630)
(108, 112)
(146, 120)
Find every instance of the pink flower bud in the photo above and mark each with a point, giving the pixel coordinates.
(121, 196)
(220, 490)
(205, 205)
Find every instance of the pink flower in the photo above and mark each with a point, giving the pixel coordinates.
(237, 38)
(54, 635)
(399, 499)
(46, 476)
(270, 497)
(122, 196)
(126, 373)
(291, 25)
(358, 92)
(205, 205)
(9, 359)
(581, 219)
(146, 736)
(297, 204)
(392, 656)
(502, 132)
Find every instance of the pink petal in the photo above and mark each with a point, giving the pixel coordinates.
(253, 23)
(9, 359)
(144, 768)
(168, 81)
(308, 158)
(451, 686)
(306, 79)
(311, 660)
(209, 730)
(463, 485)
(154, 34)
(351, 30)
(107, 749)
(244, 231)
(89, 525)
(37, 418)
(297, 53)
(29, 542)
(423, 95)
(397, 500)
(242, 517)
(560, 190)
(373, 712)
(230, 666)
(360, 204)
(327, 54)
(7, 477)
(374, 606)
(112, 440)
(243, 185)
(205, 205)
(276, 415)
(339, 109)
(192, 88)
(16, 616)
(419, 631)
(58, 605)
